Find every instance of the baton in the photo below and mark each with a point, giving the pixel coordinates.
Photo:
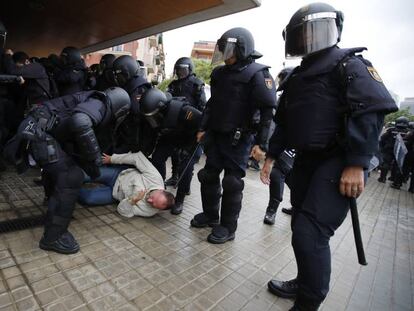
(187, 165)
(357, 232)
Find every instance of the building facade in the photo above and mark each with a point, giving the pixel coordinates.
(203, 50)
(150, 50)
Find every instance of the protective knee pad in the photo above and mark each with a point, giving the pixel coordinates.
(208, 176)
(232, 183)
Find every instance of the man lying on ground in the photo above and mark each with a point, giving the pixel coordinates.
(133, 181)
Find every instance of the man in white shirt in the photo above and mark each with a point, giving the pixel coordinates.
(139, 189)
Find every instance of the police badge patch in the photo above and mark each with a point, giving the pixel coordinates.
(269, 83)
(374, 74)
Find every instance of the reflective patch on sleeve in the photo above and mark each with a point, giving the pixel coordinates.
(269, 83)
(189, 115)
(374, 74)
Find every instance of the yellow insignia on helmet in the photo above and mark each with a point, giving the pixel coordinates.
(269, 83)
(374, 74)
(189, 115)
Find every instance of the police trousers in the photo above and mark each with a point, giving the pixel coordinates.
(222, 154)
(62, 181)
(319, 210)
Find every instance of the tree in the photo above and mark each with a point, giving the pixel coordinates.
(163, 85)
(203, 69)
(400, 113)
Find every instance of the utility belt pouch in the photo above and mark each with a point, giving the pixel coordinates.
(45, 151)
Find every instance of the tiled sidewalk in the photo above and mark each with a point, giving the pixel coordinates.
(163, 264)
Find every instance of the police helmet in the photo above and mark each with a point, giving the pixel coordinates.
(411, 125)
(124, 68)
(236, 42)
(312, 28)
(183, 67)
(106, 61)
(153, 103)
(119, 102)
(402, 122)
(3, 35)
(70, 55)
(283, 74)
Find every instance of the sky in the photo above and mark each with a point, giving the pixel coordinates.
(385, 27)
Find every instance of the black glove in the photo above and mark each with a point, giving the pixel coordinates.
(91, 170)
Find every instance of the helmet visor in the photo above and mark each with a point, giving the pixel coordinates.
(313, 35)
(225, 49)
(119, 78)
(182, 71)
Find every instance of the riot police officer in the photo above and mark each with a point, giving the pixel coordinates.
(177, 122)
(280, 172)
(134, 134)
(72, 76)
(190, 87)
(387, 143)
(331, 112)
(239, 89)
(105, 76)
(61, 139)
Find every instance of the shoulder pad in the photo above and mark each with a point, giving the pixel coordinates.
(365, 90)
(283, 84)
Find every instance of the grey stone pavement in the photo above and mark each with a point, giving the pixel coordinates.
(163, 264)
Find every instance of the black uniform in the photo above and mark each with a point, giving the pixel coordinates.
(192, 89)
(409, 160)
(178, 129)
(60, 136)
(34, 91)
(134, 134)
(325, 115)
(388, 162)
(238, 92)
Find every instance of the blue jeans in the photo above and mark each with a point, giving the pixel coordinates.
(101, 195)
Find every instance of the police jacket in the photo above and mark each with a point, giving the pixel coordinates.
(180, 122)
(71, 79)
(190, 87)
(134, 134)
(238, 92)
(36, 86)
(72, 120)
(334, 98)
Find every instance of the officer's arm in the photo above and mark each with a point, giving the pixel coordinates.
(201, 97)
(362, 138)
(81, 126)
(264, 98)
(191, 118)
(205, 117)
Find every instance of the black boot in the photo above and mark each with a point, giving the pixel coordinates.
(269, 218)
(284, 289)
(383, 175)
(172, 181)
(179, 202)
(395, 186)
(201, 220)
(220, 235)
(64, 244)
